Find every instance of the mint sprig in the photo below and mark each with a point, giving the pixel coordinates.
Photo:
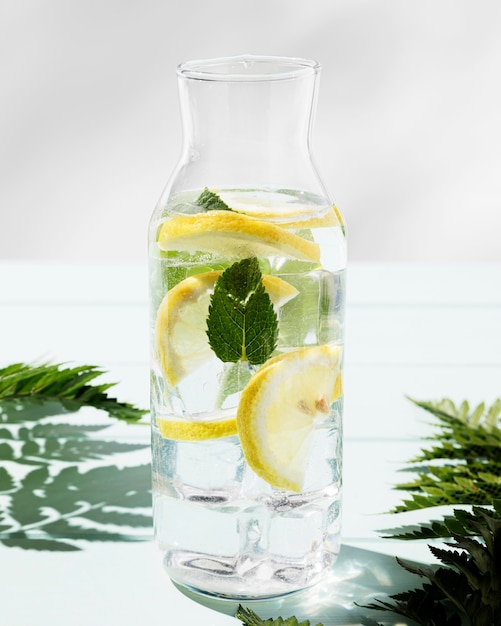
(242, 324)
(210, 201)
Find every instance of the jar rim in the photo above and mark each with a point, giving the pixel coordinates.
(248, 68)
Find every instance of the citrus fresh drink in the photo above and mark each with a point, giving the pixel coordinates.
(247, 324)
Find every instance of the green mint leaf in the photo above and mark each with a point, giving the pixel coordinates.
(242, 324)
(235, 377)
(210, 201)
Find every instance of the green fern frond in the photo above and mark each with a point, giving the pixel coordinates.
(446, 410)
(462, 467)
(249, 618)
(48, 494)
(457, 524)
(69, 386)
(466, 584)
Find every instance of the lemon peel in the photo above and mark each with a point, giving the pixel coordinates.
(232, 234)
(282, 209)
(184, 430)
(278, 410)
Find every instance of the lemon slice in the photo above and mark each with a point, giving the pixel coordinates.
(278, 410)
(282, 209)
(184, 430)
(307, 218)
(180, 329)
(232, 234)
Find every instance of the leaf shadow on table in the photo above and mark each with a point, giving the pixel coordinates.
(62, 481)
(358, 576)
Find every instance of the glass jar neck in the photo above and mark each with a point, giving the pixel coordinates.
(248, 120)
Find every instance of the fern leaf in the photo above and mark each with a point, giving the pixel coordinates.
(493, 413)
(437, 529)
(249, 618)
(463, 466)
(477, 414)
(70, 386)
(46, 502)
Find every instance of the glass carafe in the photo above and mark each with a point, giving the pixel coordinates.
(247, 288)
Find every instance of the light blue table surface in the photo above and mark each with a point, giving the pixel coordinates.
(421, 331)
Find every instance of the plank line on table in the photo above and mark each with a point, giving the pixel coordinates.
(374, 335)
(368, 283)
(409, 283)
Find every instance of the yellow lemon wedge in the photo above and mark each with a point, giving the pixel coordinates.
(278, 410)
(234, 235)
(282, 209)
(184, 430)
(180, 329)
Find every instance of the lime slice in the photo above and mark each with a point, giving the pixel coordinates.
(180, 329)
(184, 430)
(278, 410)
(234, 235)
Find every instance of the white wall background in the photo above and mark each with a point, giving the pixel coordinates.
(407, 134)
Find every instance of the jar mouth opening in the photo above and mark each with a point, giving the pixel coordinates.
(248, 68)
